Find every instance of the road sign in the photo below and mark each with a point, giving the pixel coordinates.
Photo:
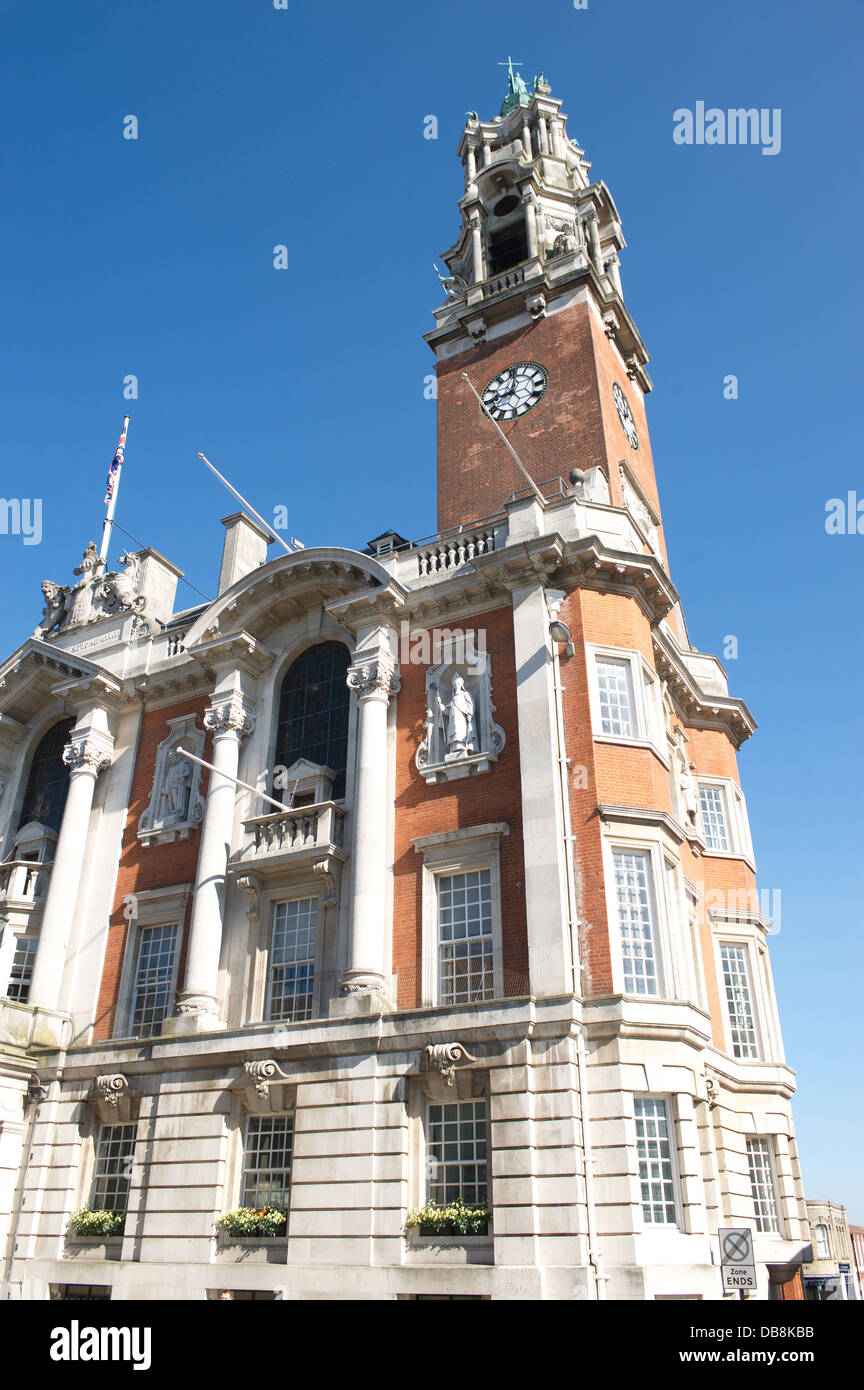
(736, 1257)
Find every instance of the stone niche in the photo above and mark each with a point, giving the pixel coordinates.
(461, 737)
(176, 804)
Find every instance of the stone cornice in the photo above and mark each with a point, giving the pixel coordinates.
(238, 650)
(700, 710)
(584, 563)
(370, 606)
(643, 815)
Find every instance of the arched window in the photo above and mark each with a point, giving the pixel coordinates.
(823, 1250)
(48, 782)
(313, 711)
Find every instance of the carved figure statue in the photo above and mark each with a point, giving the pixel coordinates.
(461, 730)
(686, 782)
(56, 598)
(175, 789)
(81, 605)
(453, 285)
(119, 591)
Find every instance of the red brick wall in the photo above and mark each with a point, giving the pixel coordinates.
(575, 425)
(158, 866)
(428, 810)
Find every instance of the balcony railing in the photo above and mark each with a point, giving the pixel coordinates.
(23, 880)
(292, 831)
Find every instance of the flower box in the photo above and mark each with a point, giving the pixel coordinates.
(93, 1247)
(252, 1249)
(449, 1250)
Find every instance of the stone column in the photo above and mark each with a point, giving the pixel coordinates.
(526, 141)
(365, 984)
(594, 243)
(472, 165)
(543, 133)
(477, 250)
(86, 754)
(230, 720)
(557, 140)
(531, 223)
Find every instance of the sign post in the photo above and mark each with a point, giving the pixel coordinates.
(736, 1259)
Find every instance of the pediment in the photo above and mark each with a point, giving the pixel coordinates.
(29, 676)
(285, 589)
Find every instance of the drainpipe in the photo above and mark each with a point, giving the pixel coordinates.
(554, 599)
(595, 1254)
(36, 1093)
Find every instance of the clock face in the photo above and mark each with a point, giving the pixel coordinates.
(515, 391)
(625, 415)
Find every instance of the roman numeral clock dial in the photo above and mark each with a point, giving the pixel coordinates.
(625, 415)
(515, 391)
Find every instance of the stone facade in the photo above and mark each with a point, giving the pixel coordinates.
(512, 888)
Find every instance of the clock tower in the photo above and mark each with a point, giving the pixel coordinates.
(535, 317)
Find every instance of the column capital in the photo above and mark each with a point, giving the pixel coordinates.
(375, 678)
(88, 751)
(230, 714)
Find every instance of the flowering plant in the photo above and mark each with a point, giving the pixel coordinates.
(246, 1221)
(456, 1219)
(85, 1222)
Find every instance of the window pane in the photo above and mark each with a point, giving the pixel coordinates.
(456, 1144)
(465, 954)
(313, 711)
(292, 960)
(713, 802)
(616, 698)
(113, 1169)
(656, 1174)
(762, 1184)
(154, 977)
(267, 1161)
(22, 969)
(48, 782)
(636, 921)
(742, 1025)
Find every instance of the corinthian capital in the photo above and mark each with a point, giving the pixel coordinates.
(89, 751)
(375, 678)
(232, 715)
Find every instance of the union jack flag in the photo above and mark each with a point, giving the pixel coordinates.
(116, 465)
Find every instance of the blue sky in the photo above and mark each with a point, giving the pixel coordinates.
(304, 127)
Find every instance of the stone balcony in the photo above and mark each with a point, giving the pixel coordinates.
(293, 837)
(23, 882)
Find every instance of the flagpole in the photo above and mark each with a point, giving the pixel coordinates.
(247, 505)
(202, 762)
(507, 444)
(112, 500)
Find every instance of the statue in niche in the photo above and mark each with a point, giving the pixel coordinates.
(460, 733)
(175, 790)
(687, 788)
